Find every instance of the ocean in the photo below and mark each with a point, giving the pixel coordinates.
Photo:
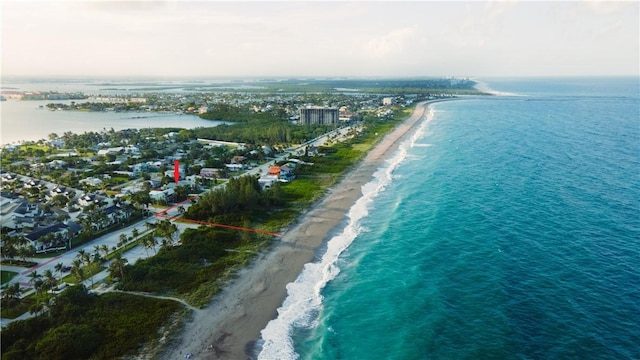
(504, 228)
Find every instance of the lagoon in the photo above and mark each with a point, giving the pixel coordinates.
(28, 121)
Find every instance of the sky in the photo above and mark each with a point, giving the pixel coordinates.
(319, 39)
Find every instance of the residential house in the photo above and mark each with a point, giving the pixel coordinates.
(238, 159)
(210, 173)
(113, 151)
(235, 167)
(140, 167)
(58, 190)
(41, 241)
(33, 183)
(170, 173)
(8, 177)
(91, 181)
(267, 181)
(286, 173)
(87, 199)
(274, 170)
(166, 195)
(117, 213)
(56, 164)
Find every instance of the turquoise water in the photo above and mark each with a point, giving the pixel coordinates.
(506, 228)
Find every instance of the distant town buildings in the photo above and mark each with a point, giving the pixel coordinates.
(318, 115)
(388, 101)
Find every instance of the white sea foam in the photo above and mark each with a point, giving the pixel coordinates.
(484, 87)
(303, 303)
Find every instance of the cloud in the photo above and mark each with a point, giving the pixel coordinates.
(603, 7)
(392, 43)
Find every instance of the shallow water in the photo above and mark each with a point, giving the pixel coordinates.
(505, 228)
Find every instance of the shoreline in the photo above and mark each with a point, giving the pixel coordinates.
(231, 323)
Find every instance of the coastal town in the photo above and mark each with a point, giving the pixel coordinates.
(83, 209)
(282, 180)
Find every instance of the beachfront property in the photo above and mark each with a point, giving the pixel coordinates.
(318, 115)
(267, 181)
(282, 173)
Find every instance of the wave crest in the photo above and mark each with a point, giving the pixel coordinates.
(303, 303)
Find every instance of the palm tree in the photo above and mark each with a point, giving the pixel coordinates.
(123, 238)
(117, 265)
(87, 225)
(23, 252)
(37, 308)
(166, 229)
(80, 254)
(96, 258)
(96, 251)
(50, 280)
(36, 281)
(105, 249)
(135, 233)
(11, 295)
(9, 251)
(84, 257)
(47, 240)
(77, 270)
(149, 225)
(34, 276)
(150, 242)
(145, 243)
(58, 268)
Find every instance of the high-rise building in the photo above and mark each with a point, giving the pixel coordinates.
(319, 115)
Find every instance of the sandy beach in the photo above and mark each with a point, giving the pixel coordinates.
(234, 318)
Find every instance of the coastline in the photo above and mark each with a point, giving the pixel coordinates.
(233, 320)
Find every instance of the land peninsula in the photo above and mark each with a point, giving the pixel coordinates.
(230, 282)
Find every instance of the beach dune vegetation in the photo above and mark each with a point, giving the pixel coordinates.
(80, 325)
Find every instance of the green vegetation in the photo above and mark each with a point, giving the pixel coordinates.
(240, 200)
(425, 86)
(11, 309)
(228, 112)
(194, 269)
(84, 326)
(255, 131)
(7, 275)
(208, 256)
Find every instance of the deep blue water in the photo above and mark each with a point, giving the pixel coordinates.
(506, 228)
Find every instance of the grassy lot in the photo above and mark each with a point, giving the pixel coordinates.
(7, 275)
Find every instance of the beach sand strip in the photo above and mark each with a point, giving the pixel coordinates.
(234, 318)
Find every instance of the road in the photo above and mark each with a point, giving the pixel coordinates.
(112, 239)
